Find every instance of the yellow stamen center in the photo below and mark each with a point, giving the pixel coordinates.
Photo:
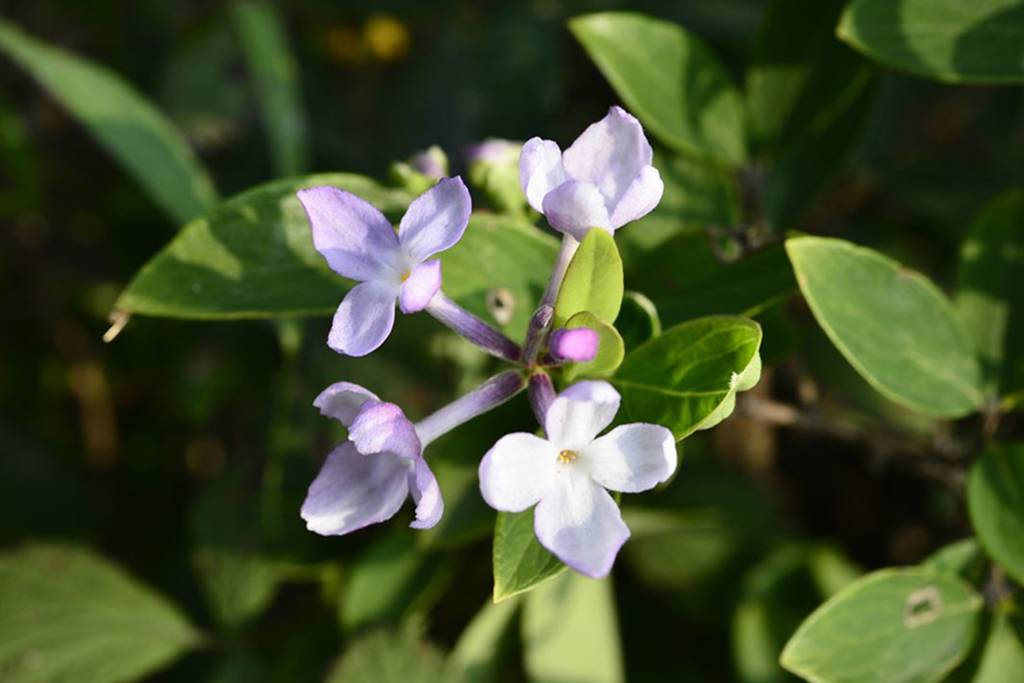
(567, 456)
(405, 275)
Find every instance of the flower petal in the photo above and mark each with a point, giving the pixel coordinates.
(426, 494)
(420, 287)
(577, 345)
(354, 490)
(575, 207)
(579, 413)
(580, 524)
(610, 153)
(435, 220)
(355, 238)
(383, 428)
(631, 458)
(342, 401)
(540, 170)
(640, 197)
(364, 319)
(517, 471)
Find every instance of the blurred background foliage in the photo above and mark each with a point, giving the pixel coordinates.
(181, 451)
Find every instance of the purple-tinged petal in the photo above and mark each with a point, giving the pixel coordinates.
(640, 197)
(517, 472)
(342, 401)
(426, 494)
(435, 220)
(610, 154)
(493, 151)
(354, 237)
(364, 319)
(631, 458)
(580, 524)
(575, 207)
(384, 428)
(579, 414)
(540, 170)
(576, 345)
(354, 490)
(420, 286)
(431, 162)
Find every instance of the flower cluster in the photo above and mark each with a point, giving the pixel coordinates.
(603, 180)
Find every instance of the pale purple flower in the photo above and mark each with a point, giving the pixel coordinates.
(566, 475)
(359, 243)
(603, 180)
(576, 345)
(367, 479)
(493, 151)
(431, 162)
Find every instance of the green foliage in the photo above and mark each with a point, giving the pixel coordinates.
(276, 82)
(892, 324)
(239, 585)
(390, 656)
(892, 625)
(67, 614)
(995, 500)
(593, 280)
(124, 122)
(610, 350)
(520, 561)
(476, 656)
(688, 101)
(999, 656)
(570, 632)
(945, 40)
(391, 579)
(990, 292)
(638, 319)
(681, 378)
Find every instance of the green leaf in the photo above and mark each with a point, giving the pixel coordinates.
(275, 77)
(801, 75)
(638, 319)
(476, 655)
(392, 579)
(1001, 657)
(251, 257)
(681, 378)
(891, 625)
(990, 292)
(148, 146)
(610, 348)
(995, 500)
(570, 632)
(68, 614)
(892, 324)
(593, 280)
(390, 657)
(238, 585)
(520, 561)
(945, 40)
(670, 80)
(962, 558)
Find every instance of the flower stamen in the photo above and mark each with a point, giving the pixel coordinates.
(565, 457)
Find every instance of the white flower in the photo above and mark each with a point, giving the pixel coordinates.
(566, 475)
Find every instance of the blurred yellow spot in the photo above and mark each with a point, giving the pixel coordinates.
(386, 38)
(567, 456)
(405, 275)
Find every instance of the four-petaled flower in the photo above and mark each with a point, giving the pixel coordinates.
(566, 474)
(603, 180)
(359, 243)
(366, 479)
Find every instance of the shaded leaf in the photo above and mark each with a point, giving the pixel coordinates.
(981, 41)
(390, 657)
(670, 80)
(520, 561)
(476, 654)
(68, 614)
(995, 500)
(123, 121)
